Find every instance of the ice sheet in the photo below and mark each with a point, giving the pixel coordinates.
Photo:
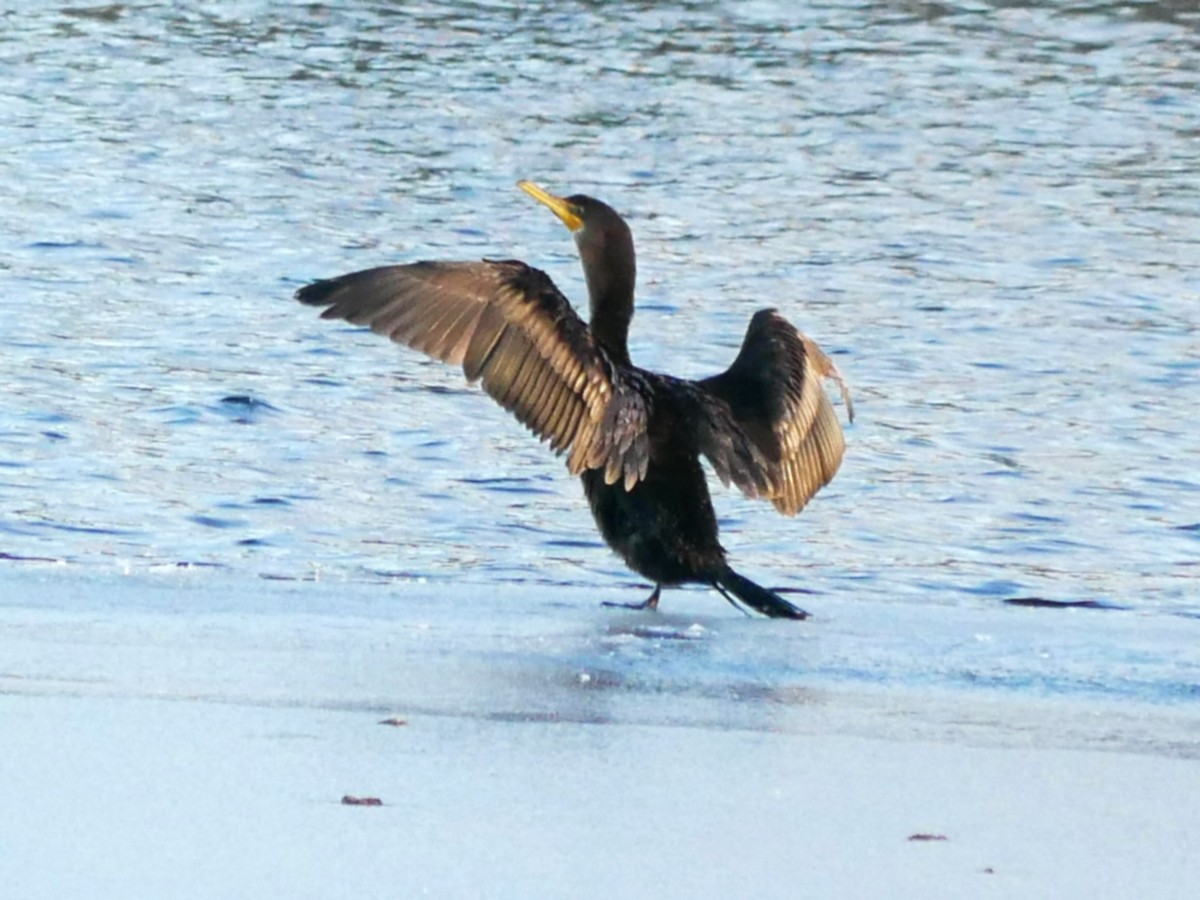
(194, 736)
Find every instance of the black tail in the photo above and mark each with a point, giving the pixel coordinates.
(766, 602)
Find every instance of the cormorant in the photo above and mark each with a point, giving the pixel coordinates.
(634, 437)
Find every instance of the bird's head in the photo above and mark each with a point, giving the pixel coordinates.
(604, 240)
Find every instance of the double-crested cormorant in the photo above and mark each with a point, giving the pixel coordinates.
(634, 437)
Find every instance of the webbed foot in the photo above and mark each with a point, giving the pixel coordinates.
(650, 602)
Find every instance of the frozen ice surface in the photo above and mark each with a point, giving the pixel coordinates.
(192, 736)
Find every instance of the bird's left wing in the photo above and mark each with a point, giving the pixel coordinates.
(509, 327)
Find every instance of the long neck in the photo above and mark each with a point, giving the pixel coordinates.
(611, 273)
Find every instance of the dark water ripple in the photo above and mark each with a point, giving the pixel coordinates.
(987, 212)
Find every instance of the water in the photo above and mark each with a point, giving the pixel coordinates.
(987, 213)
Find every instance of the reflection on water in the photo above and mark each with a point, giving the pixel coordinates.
(988, 212)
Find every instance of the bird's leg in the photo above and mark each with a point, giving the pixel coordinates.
(650, 602)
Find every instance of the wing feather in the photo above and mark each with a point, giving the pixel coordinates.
(793, 442)
(510, 328)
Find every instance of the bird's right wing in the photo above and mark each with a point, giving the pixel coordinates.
(776, 394)
(508, 326)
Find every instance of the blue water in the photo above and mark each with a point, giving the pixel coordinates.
(987, 213)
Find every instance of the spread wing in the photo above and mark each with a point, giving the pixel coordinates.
(509, 327)
(775, 392)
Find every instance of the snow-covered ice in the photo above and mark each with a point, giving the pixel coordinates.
(193, 736)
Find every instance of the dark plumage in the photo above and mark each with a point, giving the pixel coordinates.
(634, 437)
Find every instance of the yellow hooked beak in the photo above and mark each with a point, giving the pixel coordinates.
(558, 205)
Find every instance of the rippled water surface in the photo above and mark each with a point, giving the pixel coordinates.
(988, 213)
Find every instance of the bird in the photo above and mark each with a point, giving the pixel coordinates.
(634, 437)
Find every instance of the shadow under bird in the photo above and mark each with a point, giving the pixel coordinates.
(634, 437)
